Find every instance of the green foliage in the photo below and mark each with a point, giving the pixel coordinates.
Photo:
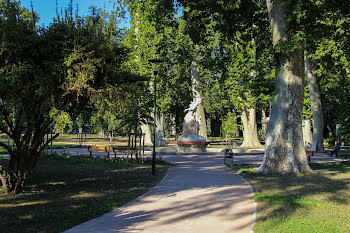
(159, 34)
(49, 75)
(81, 69)
(307, 111)
(229, 124)
(61, 120)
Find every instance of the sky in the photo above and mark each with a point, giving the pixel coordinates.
(47, 8)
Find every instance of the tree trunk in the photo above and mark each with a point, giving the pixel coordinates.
(307, 133)
(101, 133)
(284, 147)
(263, 125)
(200, 117)
(195, 79)
(19, 169)
(111, 136)
(250, 128)
(208, 123)
(4, 183)
(316, 105)
(160, 130)
(146, 129)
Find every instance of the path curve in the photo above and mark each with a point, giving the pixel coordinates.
(199, 194)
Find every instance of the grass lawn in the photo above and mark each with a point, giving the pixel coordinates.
(3, 150)
(65, 191)
(309, 202)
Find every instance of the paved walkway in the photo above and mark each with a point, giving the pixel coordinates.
(199, 194)
(248, 159)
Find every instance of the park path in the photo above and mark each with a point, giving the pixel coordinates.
(199, 194)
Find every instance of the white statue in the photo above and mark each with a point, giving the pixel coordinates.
(193, 141)
(191, 126)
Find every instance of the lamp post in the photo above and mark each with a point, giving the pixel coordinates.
(155, 72)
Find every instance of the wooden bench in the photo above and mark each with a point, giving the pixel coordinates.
(309, 153)
(105, 149)
(229, 154)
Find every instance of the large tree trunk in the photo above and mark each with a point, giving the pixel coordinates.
(20, 168)
(284, 148)
(307, 133)
(316, 105)
(146, 129)
(250, 128)
(24, 158)
(195, 79)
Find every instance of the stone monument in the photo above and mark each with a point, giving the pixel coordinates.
(190, 140)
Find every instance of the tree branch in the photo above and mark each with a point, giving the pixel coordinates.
(48, 142)
(5, 132)
(7, 119)
(8, 148)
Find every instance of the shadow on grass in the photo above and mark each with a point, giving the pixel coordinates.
(282, 196)
(65, 191)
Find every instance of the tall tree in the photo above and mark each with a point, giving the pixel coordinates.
(318, 123)
(238, 68)
(284, 147)
(307, 119)
(150, 23)
(326, 64)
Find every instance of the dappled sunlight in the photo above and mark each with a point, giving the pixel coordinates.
(25, 204)
(56, 183)
(199, 194)
(84, 194)
(26, 217)
(301, 200)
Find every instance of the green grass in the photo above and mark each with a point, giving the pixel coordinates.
(65, 191)
(3, 150)
(307, 202)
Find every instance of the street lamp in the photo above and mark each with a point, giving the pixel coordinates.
(155, 72)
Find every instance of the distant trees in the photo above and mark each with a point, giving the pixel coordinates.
(236, 58)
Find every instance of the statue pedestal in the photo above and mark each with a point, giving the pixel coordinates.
(192, 146)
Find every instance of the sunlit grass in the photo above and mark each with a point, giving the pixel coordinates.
(307, 202)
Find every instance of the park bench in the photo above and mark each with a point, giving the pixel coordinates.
(229, 154)
(105, 149)
(309, 153)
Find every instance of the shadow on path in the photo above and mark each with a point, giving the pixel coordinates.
(199, 194)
